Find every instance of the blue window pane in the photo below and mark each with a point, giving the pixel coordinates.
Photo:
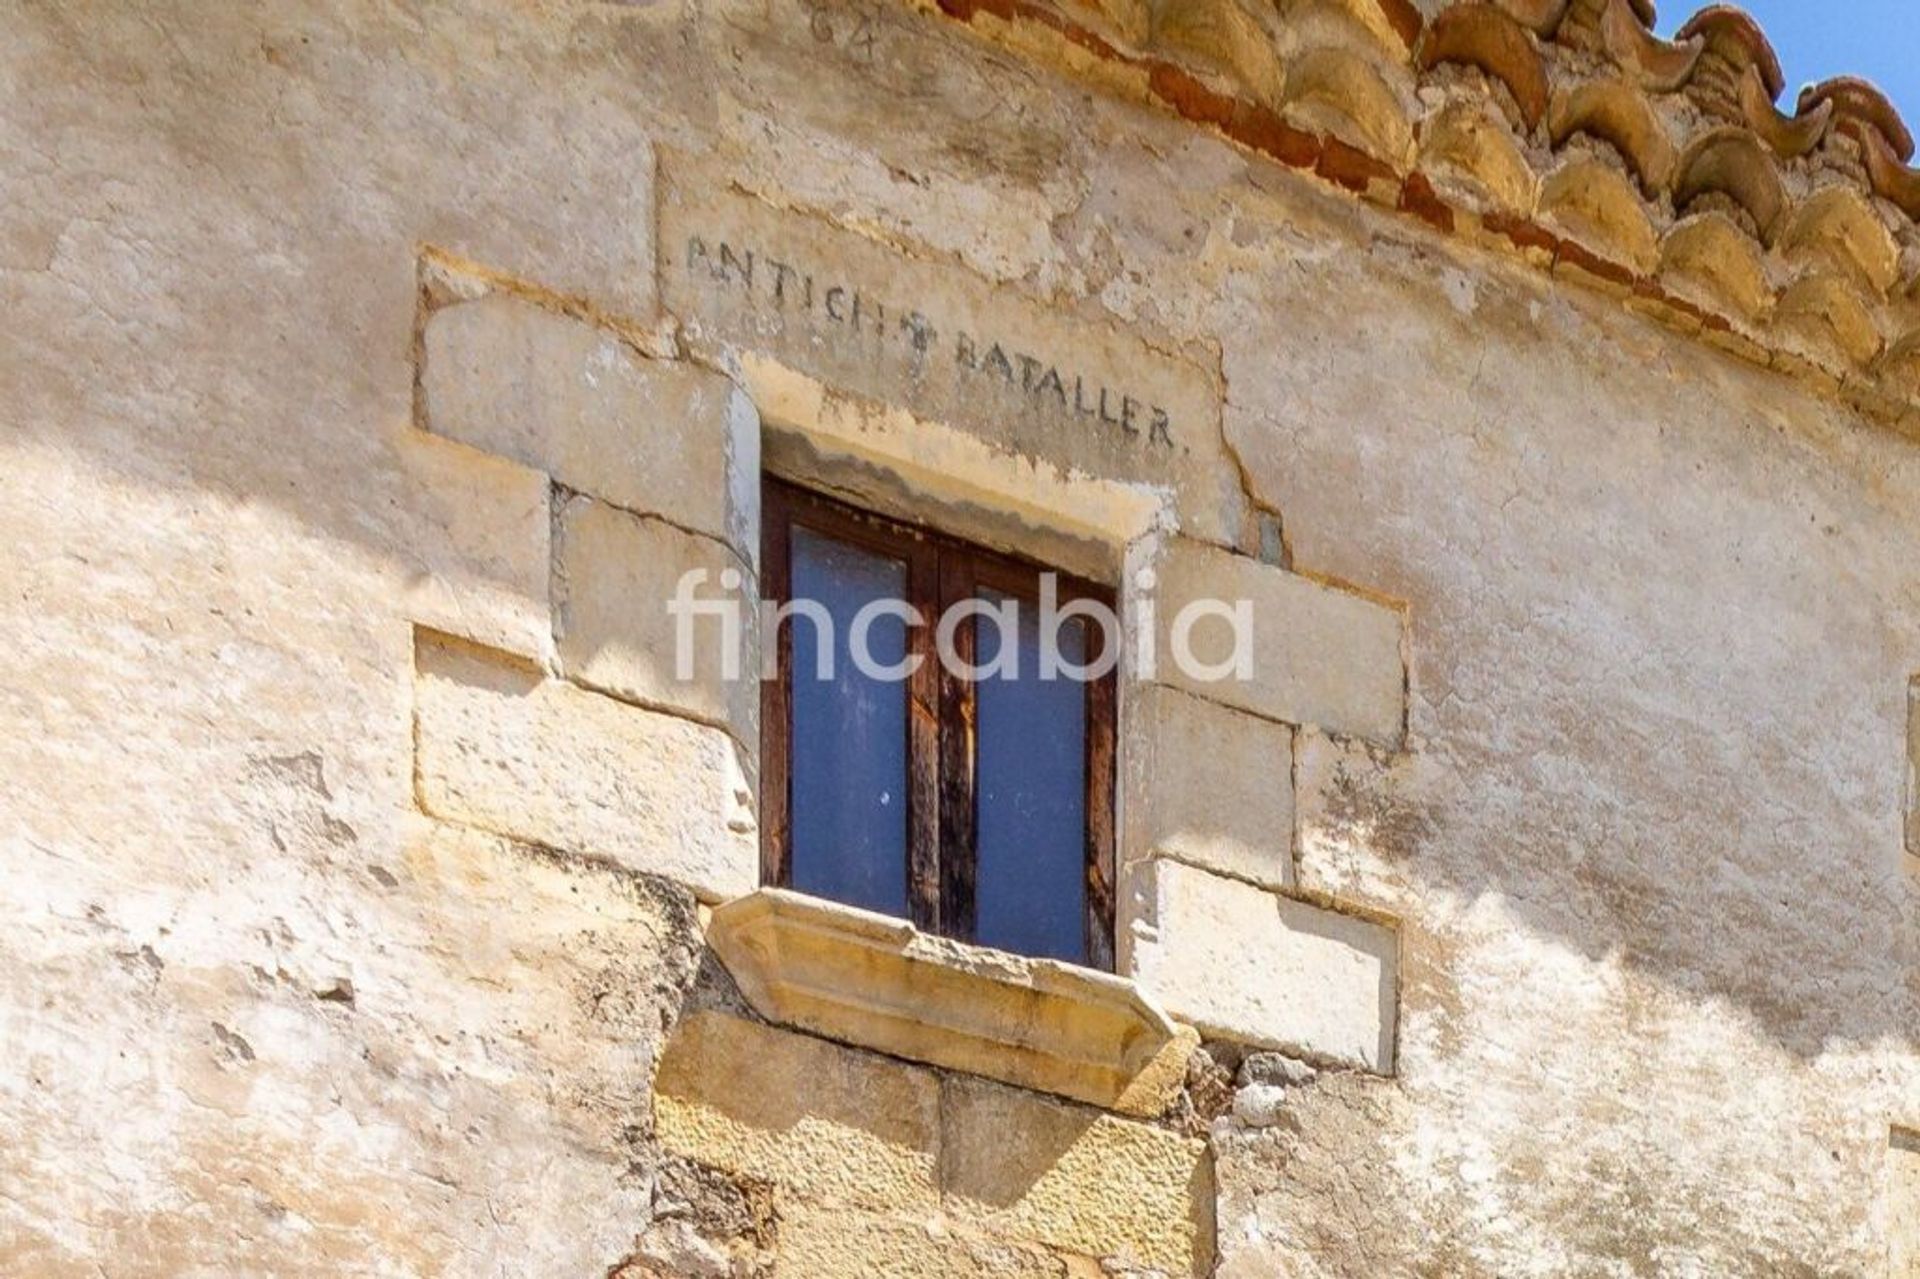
(1030, 814)
(849, 768)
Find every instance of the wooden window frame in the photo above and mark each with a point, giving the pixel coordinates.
(942, 797)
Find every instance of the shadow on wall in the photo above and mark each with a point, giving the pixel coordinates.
(1662, 632)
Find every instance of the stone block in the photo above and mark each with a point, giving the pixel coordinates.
(945, 344)
(1207, 784)
(824, 1124)
(615, 574)
(1903, 1202)
(865, 979)
(502, 748)
(560, 395)
(479, 546)
(1319, 656)
(494, 189)
(1362, 819)
(1250, 965)
(1019, 1165)
(1913, 768)
(837, 1243)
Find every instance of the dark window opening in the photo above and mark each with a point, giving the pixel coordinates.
(975, 800)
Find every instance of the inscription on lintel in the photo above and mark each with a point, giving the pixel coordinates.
(1036, 380)
(888, 329)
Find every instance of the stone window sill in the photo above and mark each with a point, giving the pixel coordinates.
(879, 983)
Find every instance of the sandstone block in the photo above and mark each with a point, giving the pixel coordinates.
(615, 575)
(865, 979)
(562, 396)
(480, 546)
(509, 198)
(827, 1124)
(1913, 768)
(1362, 820)
(945, 344)
(1903, 1202)
(1024, 1166)
(819, 1243)
(1209, 785)
(1319, 656)
(500, 747)
(1245, 963)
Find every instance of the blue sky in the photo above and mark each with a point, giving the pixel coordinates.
(1819, 39)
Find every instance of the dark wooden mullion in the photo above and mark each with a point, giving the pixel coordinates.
(1102, 696)
(925, 890)
(958, 747)
(776, 697)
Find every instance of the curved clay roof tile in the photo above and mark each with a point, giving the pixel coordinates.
(1595, 205)
(1838, 229)
(1488, 37)
(1711, 258)
(1542, 17)
(1830, 320)
(1860, 100)
(1901, 364)
(1790, 136)
(1732, 32)
(1731, 161)
(1640, 11)
(1620, 114)
(1466, 143)
(1892, 180)
(1660, 65)
(1225, 36)
(1394, 24)
(1340, 93)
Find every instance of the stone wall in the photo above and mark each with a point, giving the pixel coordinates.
(1542, 899)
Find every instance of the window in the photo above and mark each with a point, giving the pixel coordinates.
(924, 755)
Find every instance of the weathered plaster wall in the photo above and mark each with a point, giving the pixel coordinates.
(1663, 966)
(1644, 845)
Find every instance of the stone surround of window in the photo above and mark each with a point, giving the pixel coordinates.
(650, 450)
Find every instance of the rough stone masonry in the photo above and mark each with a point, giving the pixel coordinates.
(1543, 906)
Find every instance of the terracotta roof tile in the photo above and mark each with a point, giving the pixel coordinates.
(1567, 130)
(1857, 101)
(1731, 33)
(1487, 37)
